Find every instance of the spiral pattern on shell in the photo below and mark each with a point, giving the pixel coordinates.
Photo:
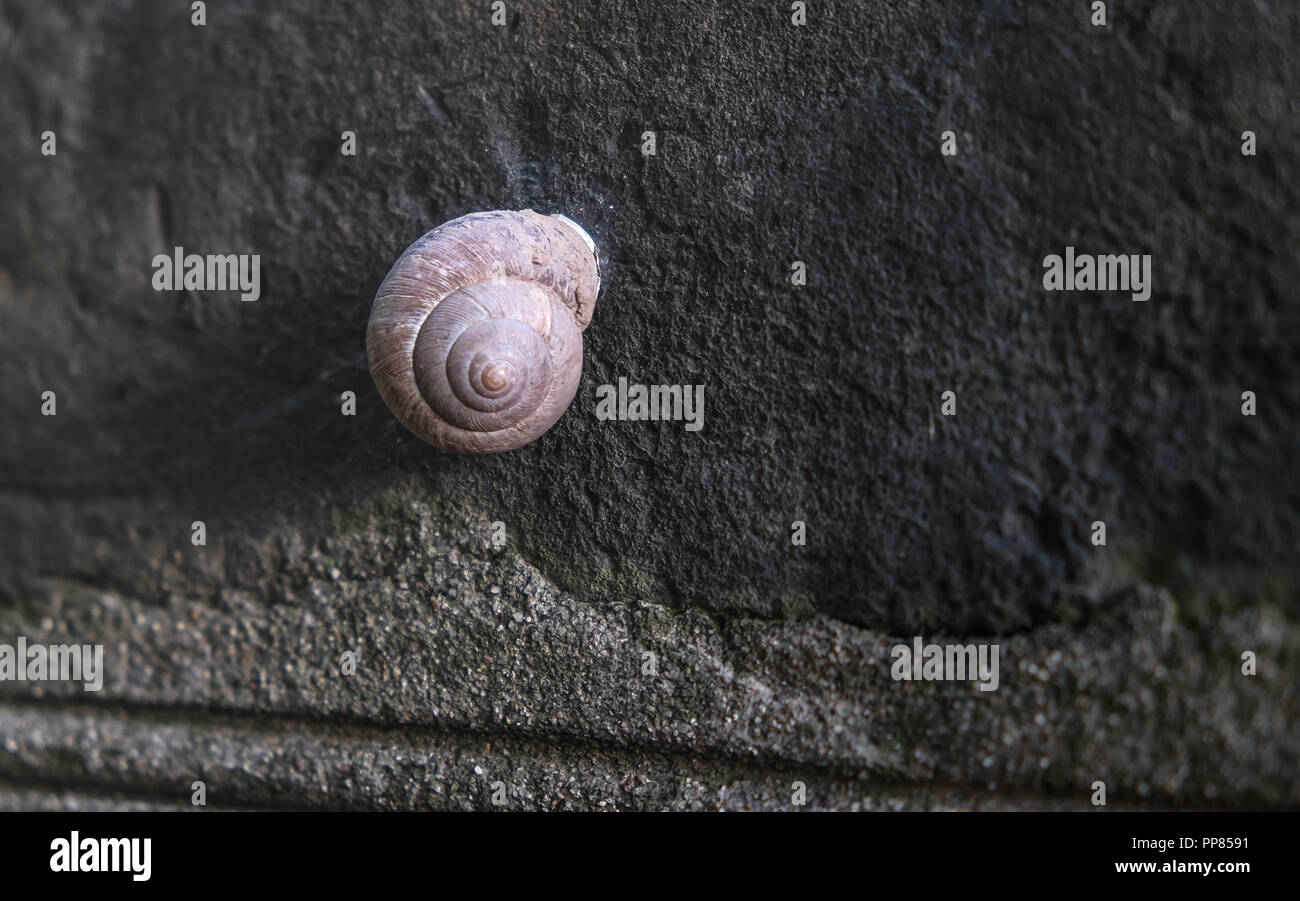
(475, 336)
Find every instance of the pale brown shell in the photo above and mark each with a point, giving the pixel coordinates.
(475, 336)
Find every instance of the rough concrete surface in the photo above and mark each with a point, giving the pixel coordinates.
(523, 664)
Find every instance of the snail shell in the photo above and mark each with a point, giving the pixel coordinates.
(475, 337)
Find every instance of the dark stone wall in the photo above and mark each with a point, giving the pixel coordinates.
(775, 143)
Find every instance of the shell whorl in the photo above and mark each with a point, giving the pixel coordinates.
(475, 336)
